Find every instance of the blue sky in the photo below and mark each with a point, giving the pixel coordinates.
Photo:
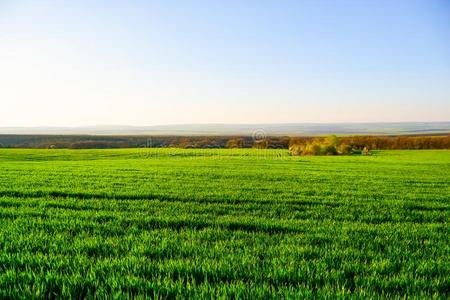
(75, 63)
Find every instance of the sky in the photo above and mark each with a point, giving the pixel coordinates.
(86, 63)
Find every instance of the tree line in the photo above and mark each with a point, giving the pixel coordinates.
(271, 142)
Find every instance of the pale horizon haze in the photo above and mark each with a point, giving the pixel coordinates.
(143, 63)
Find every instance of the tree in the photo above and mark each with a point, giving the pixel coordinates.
(332, 140)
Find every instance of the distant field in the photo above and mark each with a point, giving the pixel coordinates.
(232, 223)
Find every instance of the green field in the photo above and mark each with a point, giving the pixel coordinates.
(223, 223)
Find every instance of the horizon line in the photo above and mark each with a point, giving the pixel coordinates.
(225, 124)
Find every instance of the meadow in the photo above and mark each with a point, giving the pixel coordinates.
(236, 223)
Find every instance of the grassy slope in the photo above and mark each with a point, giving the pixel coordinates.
(253, 223)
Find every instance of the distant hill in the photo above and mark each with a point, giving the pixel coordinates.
(294, 129)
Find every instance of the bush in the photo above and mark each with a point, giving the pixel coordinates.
(328, 150)
(311, 148)
(295, 150)
(366, 151)
(344, 149)
(328, 146)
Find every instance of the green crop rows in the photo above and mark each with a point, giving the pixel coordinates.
(168, 223)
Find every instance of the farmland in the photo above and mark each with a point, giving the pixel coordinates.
(241, 223)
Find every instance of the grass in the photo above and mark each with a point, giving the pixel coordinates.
(167, 223)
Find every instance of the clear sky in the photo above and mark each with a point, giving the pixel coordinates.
(83, 63)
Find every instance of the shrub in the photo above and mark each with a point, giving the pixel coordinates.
(295, 149)
(312, 148)
(328, 146)
(344, 149)
(366, 151)
(328, 150)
